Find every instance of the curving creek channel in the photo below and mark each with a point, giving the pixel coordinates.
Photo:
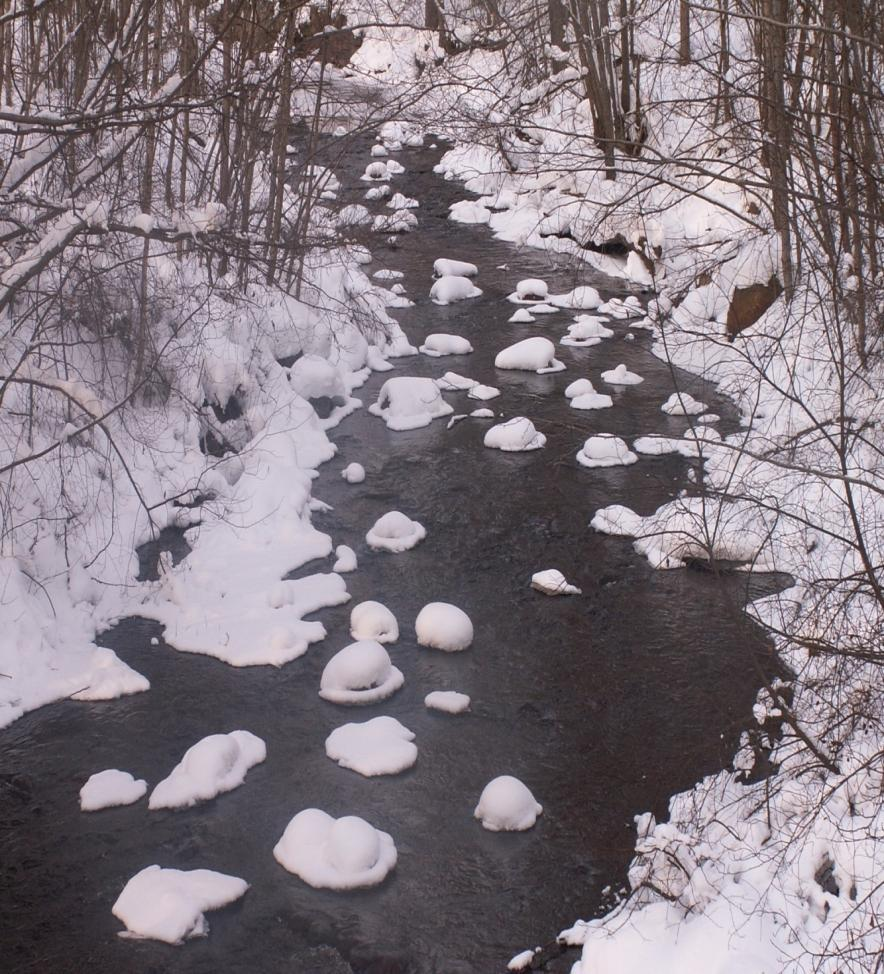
(604, 704)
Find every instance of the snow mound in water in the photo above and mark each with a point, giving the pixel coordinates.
(629, 308)
(353, 473)
(402, 202)
(377, 192)
(107, 789)
(516, 435)
(657, 446)
(359, 674)
(395, 168)
(377, 746)
(522, 961)
(385, 274)
(579, 387)
(621, 376)
(482, 414)
(605, 450)
(378, 151)
(522, 316)
(583, 298)
(373, 620)
(530, 290)
(552, 582)
(448, 701)
(170, 904)
(682, 404)
(329, 853)
(402, 221)
(444, 267)
(506, 805)
(354, 215)
(216, 764)
(467, 211)
(542, 309)
(616, 519)
(530, 355)
(395, 532)
(452, 382)
(408, 402)
(585, 331)
(439, 344)
(313, 376)
(483, 393)
(451, 288)
(592, 400)
(375, 171)
(440, 625)
(345, 559)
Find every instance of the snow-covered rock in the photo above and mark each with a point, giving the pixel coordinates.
(441, 625)
(345, 559)
(373, 620)
(376, 171)
(107, 789)
(522, 960)
(170, 904)
(379, 151)
(216, 764)
(401, 202)
(482, 414)
(583, 396)
(553, 582)
(408, 402)
(516, 435)
(469, 211)
(683, 404)
(452, 287)
(359, 674)
(483, 393)
(530, 290)
(531, 355)
(521, 316)
(448, 701)
(401, 221)
(507, 805)
(385, 274)
(395, 532)
(313, 377)
(445, 267)
(377, 746)
(328, 853)
(439, 344)
(377, 192)
(585, 331)
(353, 473)
(621, 376)
(605, 450)
(452, 382)
(583, 298)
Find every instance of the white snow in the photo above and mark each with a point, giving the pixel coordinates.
(385, 274)
(401, 221)
(621, 376)
(378, 151)
(542, 309)
(401, 202)
(373, 620)
(531, 289)
(522, 961)
(453, 382)
(516, 435)
(467, 211)
(531, 355)
(483, 393)
(353, 473)
(583, 396)
(170, 904)
(361, 673)
(376, 747)
(216, 764)
(440, 625)
(439, 344)
(521, 316)
(683, 404)
(345, 559)
(507, 805)
(452, 287)
(377, 192)
(579, 387)
(376, 171)
(395, 532)
(446, 267)
(585, 331)
(583, 298)
(409, 402)
(448, 701)
(107, 789)
(341, 854)
(605, 450)
(553, 582)
(482, 414)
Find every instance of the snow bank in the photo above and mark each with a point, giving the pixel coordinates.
(372, 620)
(605, 450)
(409, 402)
(621, 376)
(467, 211)
(359, 674)
(516, 435)
(107, 789)
(170, 904)
(440, 625)
(553, 582)
(216, 764)
(448, 701)
(506, 805)
(531, 355)
(451, 288)
(328, 853)
(353, 473)
(376, 747)
(395, 532)
(439, 344)
(446, 267)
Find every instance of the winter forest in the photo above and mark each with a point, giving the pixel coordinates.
(441, 487)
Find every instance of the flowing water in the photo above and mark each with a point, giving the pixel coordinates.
(604, 704)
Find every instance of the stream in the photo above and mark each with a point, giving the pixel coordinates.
(605, 704)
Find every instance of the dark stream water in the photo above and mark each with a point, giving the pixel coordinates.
(604, 704)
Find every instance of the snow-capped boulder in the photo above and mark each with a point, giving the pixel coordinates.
(621, 376)
(469, 211)
(452, 287)
(452, 382)
(377, 746)
(107, 789)
(683, 404)
(376, 171)
(483, 393)
(522, 316)
(530, 290)
(216, 764)
(359, 674)
(531, 355)
(583, 298)
(585, 331)
(516, 435)
(408, 402)
(353, 473)
(448, 701)
(444, 267)
(329, 853)
(314, 377)
(439, 344)
(345, 559)
(553, 582)
(372, 620)
(605, 450)
(507, 805)
(395, 532)
(440, 625)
